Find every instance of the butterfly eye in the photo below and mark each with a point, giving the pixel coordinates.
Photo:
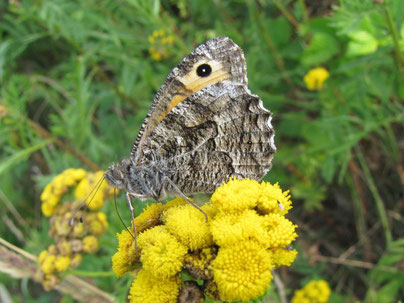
(204, 70)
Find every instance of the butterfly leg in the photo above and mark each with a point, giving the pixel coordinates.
(132, 215)
(181, 194)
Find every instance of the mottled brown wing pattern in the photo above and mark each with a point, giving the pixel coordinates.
(203, 127)
(227, 62)
(220, 131)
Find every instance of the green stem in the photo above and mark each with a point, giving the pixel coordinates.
(353, 183)
(376, 196)
(396, 39)
(287, 15)
(92, 274)
(306, 14)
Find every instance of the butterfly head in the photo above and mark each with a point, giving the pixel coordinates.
(117, 174)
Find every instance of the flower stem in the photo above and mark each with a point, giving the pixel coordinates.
(92, 274)
(376, 196)
(394, 34)
(287, 15)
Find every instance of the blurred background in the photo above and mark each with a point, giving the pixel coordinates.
(78, 77)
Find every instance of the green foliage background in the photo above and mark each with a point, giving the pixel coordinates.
(76, 80)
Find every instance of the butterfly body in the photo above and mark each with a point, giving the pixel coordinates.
(204, 127)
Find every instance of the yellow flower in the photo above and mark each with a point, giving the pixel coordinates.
(97, 223)
(161, 254)
(313, 292)
(78, 229)
(76, 260)
(42, 256)
(315, 78)
(236, 195)
(278, 231)
(157, 55)
(242, 271)
(50, 281)
(89, 188)
(178, 201)
(47, 192)
(48, 264)
(159, 42)
(198, 263)
(47, 209)
(283, 256)
(52, 200)
(62, 263)
(65, 247)
(189, 225)
(79, 174)
(273, 200)
(97, 200)
(102, 217)
(210, 210)
(230, 228)
(86, 185)
(59, 186)
(72, 175)
(90, 244)
(120, 266)
(148, 288)
(82, 189)
(126, 241)
(96, 227)
(125, 258)
(62, 227)
(149, 217)
(210, 288)
(245, 237)
(52, 249)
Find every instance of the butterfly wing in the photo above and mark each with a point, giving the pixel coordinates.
(227, 63)
(220, 131)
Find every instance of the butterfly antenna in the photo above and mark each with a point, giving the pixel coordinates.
(84, 208)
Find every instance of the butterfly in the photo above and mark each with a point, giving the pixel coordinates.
(204, 127)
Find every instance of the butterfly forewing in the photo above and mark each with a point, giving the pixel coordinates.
(227, 62)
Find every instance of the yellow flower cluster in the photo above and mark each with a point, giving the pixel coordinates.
(58, 187)
(313, 292)
(159, 42)
(71, 241)
(97, 193)
(315, 78)
(245, 237)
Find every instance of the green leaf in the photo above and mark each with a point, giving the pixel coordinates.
(322, 47)
(402, 31)
(280, 30)
(361, 43)
(389, 292)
